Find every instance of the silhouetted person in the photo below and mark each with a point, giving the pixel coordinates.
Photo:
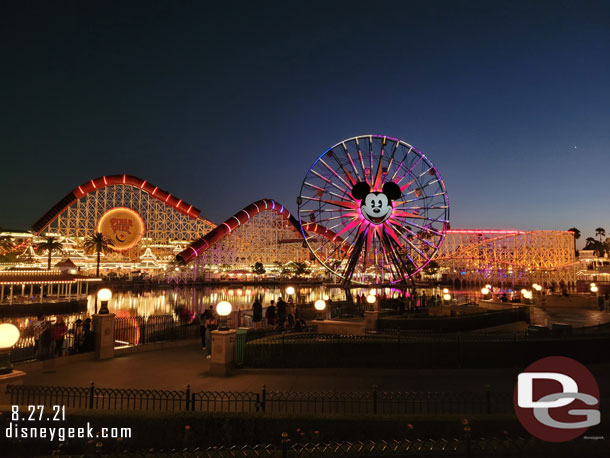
(281, 313)
(257, 313)
(270, 314)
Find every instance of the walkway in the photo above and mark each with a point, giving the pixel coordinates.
(176, 367)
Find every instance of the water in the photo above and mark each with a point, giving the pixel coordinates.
(186, 302)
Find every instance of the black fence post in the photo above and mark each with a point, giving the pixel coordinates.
(263, 398)
(284, 444)
(91, 395)
(374, 399)
(488, 397)
(188, 396)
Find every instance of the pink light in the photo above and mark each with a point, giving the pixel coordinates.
(483, 231)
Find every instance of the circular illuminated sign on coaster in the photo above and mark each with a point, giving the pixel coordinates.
(123, 226)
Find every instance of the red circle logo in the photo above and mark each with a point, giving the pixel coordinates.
(556, 399)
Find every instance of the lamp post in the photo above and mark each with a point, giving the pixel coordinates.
(446, 297)
(485, 292)
(320, 305)
(371, 299)
(224, 310)
(290, 291)
(9, 335)
(104, 295)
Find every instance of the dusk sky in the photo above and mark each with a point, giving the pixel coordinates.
(224, 103)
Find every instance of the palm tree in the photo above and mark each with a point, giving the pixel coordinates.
(301, 268)
(432, 268)
(590, 243)
(258, 268)
(600, 232)
(576, 237)
(98, 243)
(49, 245)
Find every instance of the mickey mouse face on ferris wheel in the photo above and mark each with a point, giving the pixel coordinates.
(376, 207)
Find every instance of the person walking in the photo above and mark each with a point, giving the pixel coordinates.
(281, 313)
(607, 302)
(270, 315)
(210, 325)
(202, 331)
(38, 327)
(45, 345)
(58, 333)
(257, 313)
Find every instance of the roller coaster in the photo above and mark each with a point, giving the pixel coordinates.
(265, 231)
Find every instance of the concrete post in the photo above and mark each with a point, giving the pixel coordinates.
(370, 320)
(103, 326)
(222, 360)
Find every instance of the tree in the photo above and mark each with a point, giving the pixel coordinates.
(432, 268)
(98, 243)
(576, 237)
(600, 232)
(595, 245)
(258, 268)
(50, 244)
(301, 268)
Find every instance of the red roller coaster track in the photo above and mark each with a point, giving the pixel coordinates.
(102, 182)
(217, 234)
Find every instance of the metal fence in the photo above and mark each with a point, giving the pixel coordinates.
(419, 349)
(465, 446)
(139, 330)
(372, 402)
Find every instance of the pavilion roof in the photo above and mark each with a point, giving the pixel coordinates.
(19, 277)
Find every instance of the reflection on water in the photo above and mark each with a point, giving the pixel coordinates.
(196, 299)
(186, 302)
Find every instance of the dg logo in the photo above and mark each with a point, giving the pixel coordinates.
(557, 399)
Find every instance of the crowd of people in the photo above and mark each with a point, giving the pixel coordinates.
(282, 316)
(52, 339)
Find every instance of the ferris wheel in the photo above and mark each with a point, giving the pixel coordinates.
(373, 210)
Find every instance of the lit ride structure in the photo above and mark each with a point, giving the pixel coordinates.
(373, 210)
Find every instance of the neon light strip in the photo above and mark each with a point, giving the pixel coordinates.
(483, 231)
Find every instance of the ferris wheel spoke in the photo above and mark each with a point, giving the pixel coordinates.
(348, 175)
(401, 163)
(391, 161)
(351, 161)
(415, 235)
(394, 260)
(336, 175)
(423, 228)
